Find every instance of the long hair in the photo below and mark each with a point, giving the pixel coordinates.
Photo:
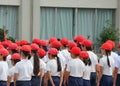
(108, 53)
(87, 61)
(36, 63)
(59, 68)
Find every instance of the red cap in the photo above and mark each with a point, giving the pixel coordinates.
(53, 51)
(5, 43)
(52, 39)
(87, 43)
(111, 42)
(12, 46)
(79, 38)
(118, 45)
(15, 56)
(41, 52)
(71, 44)
(36, 40)
(23, 42)
(34, 46)
(4, 52)
(18, 43)
(43, 43)
(75, 50)
(1, 46)
(64, 41)
(55, 44)
(84, 54)
(26, 48)
(106, 46)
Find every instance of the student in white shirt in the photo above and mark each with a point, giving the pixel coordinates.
(14, 59)
(86, 74)
(106, 66)
(41, 54)
(54, 68)
(12, 48)
(24, 68)
(3, 67)
(75, 68)
(87, 46)
(117, 72)
(37, 65)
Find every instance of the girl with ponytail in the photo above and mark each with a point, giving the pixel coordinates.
(54, 68)
(106, 66)
(37, 66)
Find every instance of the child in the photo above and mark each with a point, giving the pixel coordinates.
(54, 68)
(106, 66)
(24, 68)
(86, 74)
(3, 67)
(75, 68)
(14, 59)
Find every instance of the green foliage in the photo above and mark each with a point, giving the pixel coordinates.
(2, 35)
(109, 33)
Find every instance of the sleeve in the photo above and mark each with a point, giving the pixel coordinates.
(68, 67)
(101, 62)
(17, 68)
(42, 64)
(48, 67)
(117, 63)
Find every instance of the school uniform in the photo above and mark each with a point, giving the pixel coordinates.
(76, 68)
(9, 61)
(25, 69)
(94, 61)
(35, 81)
(11, 74)
(107, 79)
(66, 55)
(3, 73)
(86, 76)
(117, 65)
(52, 67)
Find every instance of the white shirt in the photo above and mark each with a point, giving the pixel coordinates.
(42, 63)
(3, 70)
(94, 60)
(11, 73)
(52, 67)
(9, 61)
(46, 58)
(76, 67)
(87, 72)
(117, 64)
(66, 55)
(106, 69)
(114, 55)
(25, 69)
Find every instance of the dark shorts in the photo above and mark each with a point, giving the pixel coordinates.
(86, 82)
(75, 81)
(23, 83)
(56, 81)
(93, 79)
(118, 80)
(3, 83)
(106, 81)
(35, 81)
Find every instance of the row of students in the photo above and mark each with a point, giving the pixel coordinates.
(41, 74)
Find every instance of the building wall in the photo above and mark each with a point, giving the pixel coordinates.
(29, 12)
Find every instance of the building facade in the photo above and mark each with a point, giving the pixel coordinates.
(28, 19)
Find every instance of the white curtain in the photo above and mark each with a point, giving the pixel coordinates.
(9, 19)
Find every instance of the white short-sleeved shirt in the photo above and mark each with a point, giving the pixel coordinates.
(25, 69)
(9, 61)
(76, 67)
(52, 67)
(42, 63)
(62, 59)
(3, 70)
(94, 60)
(66, 55)
(11, 73)
(46, 58)
(106, 69)
(117, 64)
(114, 55)
(87, 72)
